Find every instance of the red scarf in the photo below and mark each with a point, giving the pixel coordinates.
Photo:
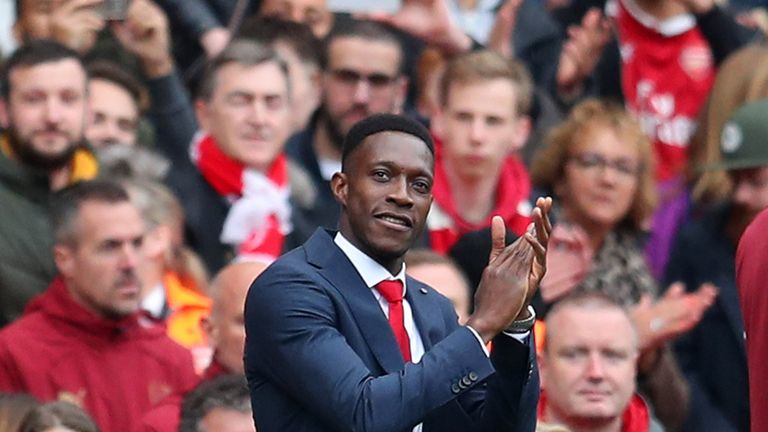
(636, 417)
(512, 192)
(259, 217)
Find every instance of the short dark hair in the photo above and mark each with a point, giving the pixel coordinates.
(244, 52)
(59, 413)
(112, 72)
(383, 123)
(67, 202)
(225, 391)
(32, 54)
(368, 30)
(272, 30)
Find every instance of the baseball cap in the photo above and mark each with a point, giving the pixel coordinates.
(744, 139)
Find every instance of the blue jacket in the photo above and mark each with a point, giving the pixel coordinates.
(320, 356)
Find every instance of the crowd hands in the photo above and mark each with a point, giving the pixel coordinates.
(515, 117)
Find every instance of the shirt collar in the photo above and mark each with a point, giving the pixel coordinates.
(154, 302)
(371, 271)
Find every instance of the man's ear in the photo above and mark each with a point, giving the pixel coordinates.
(401, 93)
(64, 257)
(542, 368)
(158, 241)
(5, 121)
(339, 186)
(210, 330)
(316, 88)
(437, 124)
(202, 112)
(18, 31)
(522, 132)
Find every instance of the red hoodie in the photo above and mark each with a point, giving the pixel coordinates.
(166, 416)
(115, 370)
(635, 419)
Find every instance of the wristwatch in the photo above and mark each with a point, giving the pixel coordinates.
(525, 325)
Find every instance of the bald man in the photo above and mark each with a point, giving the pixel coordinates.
(226, 336)
(225, 329)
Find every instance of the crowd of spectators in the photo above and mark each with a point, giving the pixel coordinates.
(157, 155)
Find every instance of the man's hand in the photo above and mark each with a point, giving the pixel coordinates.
(582, 51)
(145, 33)
(672, 315)
(214, 41)
(428, 20)
(501, 37)
(570, 257)
(76, 24)
(513, 274)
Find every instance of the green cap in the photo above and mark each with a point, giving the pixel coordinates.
(744, 140)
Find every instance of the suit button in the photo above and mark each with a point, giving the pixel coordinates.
(473, 376)
(455, 388)
(466, 381)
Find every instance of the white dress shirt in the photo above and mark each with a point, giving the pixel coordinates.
(373, 273)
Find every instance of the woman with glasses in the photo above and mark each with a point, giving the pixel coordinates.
(598, 164)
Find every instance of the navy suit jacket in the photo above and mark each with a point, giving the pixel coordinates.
(320, 356)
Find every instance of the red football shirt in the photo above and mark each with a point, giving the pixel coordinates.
(667, 71)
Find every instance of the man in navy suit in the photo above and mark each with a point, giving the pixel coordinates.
(331, 346)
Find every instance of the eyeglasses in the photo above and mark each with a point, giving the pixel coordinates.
(351, 78)
(594, 162)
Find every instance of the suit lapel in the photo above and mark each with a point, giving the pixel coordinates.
(336, 268)
(426, 313)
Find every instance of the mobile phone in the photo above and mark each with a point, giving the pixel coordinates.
(113, 10)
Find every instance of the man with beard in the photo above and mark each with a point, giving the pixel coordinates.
(362, 75)
(84, 339)
(43, 110)
(719, 396)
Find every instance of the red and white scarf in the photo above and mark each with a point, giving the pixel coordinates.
(260, 212)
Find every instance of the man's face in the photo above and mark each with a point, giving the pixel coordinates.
(35, 19)
(362, 79)
(313, 13)
(226, 325)
(249, 113)
(114, 115)
(750, 190)
(221, 419)
(480, 127)
(305, 91)
(102, 268)
(448, 282)
(45, 111)
(588, 366)
(385, 194)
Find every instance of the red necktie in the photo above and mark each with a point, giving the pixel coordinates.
(392, 291)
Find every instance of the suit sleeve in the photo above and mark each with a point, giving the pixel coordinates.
(293, 340)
